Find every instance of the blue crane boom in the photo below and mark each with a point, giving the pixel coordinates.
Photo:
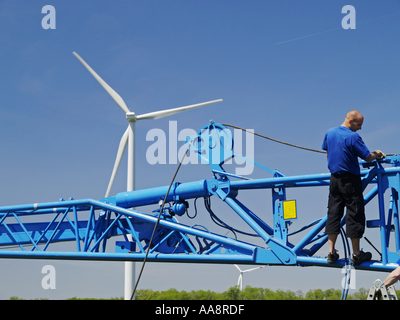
(91, 223)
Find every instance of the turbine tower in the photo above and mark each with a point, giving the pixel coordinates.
(128, 138)
(240, 280)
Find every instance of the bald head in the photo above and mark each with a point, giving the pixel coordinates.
(354, 120)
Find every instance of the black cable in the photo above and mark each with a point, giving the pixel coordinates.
(219, 222)
(286, 143)
(214, 218)
(373, 247)
(305, 227)
(156, 225)
(275, 140)
(195, 211)
(347, 259)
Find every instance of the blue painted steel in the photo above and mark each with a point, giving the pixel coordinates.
(152, 196)
(91, 223)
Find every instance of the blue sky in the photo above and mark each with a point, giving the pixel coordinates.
(286, 69)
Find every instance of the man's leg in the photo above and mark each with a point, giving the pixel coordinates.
(335, 214)
(331, 241)
(356, 246)
(355, 218)
(332, 255)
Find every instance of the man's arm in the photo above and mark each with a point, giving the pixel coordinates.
(377, 154)
(392, 278)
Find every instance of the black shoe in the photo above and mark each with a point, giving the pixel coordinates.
(362, 257)
(332, 257)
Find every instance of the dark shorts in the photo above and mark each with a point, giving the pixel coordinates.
(346, 191)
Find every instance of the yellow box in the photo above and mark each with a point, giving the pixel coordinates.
(289, 210)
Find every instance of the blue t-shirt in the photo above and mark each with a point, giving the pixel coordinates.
(344, 147)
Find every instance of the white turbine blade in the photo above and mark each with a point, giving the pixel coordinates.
(117, 98)
(248, 270)
(121, 149)
(240, 280)
(169, 112)
(237, 267)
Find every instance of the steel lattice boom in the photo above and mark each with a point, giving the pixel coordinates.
(91, 223)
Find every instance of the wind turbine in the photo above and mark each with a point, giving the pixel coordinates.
(240, 280)
(128, 138)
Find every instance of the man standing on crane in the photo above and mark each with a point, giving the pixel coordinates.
(344, 146)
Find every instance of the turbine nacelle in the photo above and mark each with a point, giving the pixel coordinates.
(131, 117)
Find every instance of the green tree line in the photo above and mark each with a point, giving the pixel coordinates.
(249, 293)
(233, 293)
